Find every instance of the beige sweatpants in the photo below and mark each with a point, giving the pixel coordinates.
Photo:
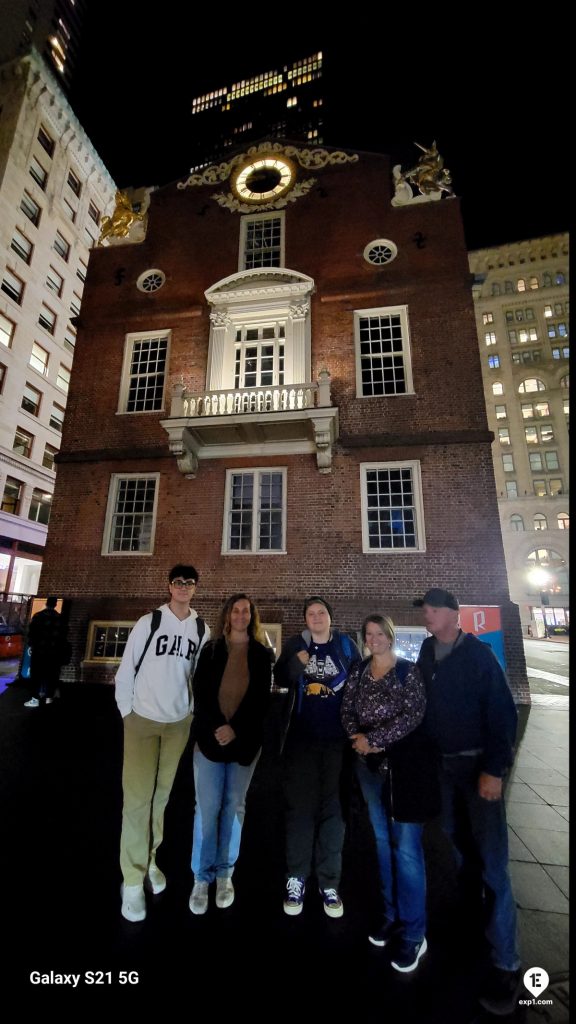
(152, 752)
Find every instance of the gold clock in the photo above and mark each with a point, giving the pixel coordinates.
(264, 179)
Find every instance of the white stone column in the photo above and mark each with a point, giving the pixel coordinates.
(219, 356)
(300, 347)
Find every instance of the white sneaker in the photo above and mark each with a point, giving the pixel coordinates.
(199, 898)
(32, 703)
(155, 880)
(133, 902)
(224, 893)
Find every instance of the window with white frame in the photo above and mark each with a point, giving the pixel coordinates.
(47, 319)
(54, 281)
(511, 489)
(392, 510)
(7, 328)
(56, 420)
(504, 435)
(40, 506)
(490, 337)
(107, 641)
(501, 413)
(487, 318)
(131, 514)
(516, 523)
(31, 399)
(63, 378)
(12, 286)
(259, 355)
(38, 173)
(61, 246)
(261, 241)
(383, 364)
(50, 453)
(144, 372)
(39, 358)
(255, 512)
(493, 362)
(508, 463)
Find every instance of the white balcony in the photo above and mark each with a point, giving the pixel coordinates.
(283, 420)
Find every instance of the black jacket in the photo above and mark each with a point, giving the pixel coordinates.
(412, 785)
(248, 720)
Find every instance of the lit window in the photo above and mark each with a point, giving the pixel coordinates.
(63, 378)
(39, 359)
(508, 463)
(539, 488)
(21, 246)
(531, 384)
(521, 284)
(487, 318)
(500, 411)
(383, 365)
(547, 311)
(38, 173)
(49, 455)
(107, 641)
(255, 511)
(542, 408)
(31, 400)
(547, 433)
(531, 435)
(392, 512)
(22, 443)
(144, 374)
(493, 362)
(534, 283)
(497, 388)
(12, 495)
(516, 524)
(561, 353)
(54, 281)
(504, 435)
(131, 515)
(45, 140)
(559, 278)
(57, 417)
(490, 337)
(556, 487)
(30, 207)
(259, 356)
(12, 286)
(511, 489)
(540, 521)
(47, 319)
(261, 241)
(565, 404)
(40, 506)
(563, 521)
(61, 246)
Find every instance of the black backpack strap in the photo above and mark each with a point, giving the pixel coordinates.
(156, 620)
(402, 669)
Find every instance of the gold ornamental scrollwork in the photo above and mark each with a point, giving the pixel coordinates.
(307, 158)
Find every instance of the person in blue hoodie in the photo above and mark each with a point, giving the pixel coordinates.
(471, 716)
(314, 665)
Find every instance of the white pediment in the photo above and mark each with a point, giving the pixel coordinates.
(270, 282)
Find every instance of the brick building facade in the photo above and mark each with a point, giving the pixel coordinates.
(281, 384)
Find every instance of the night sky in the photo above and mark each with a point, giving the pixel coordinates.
(499, 122)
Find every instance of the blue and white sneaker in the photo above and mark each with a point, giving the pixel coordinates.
(333, 905)
(294, 900)
(408, 955)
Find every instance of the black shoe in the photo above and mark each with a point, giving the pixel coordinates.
(408, 955)
(500, 995)
(381, 936)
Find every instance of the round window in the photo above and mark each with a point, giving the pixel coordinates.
(151, 280)
(379, 252)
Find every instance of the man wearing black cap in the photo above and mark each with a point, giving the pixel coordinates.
(471, 716)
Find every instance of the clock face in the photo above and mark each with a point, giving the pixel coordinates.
(264, 179)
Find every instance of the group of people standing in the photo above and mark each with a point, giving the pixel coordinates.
(426, 737)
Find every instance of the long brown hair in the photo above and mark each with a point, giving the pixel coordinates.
(222, 627)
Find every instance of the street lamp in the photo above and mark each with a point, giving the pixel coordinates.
(539, 578)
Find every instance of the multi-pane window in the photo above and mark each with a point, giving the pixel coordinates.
(255, 513)
(30, 208)
(547, 433)
(528, 335)
(540, 521)
(12, 495)
(551, 459)
(259, 356)
(75, 304)
(145, 373)
(57, 417)
(516, 524)
(558, 330)
(511, 489)
(107, 640)
(556, 487)
(487, 318)
(513, 337)
(497, 388)
(531, 435)
(534, 283)
(504, 435)
(539, 488)
(63, 378)
(7, 329)
(383, 352)
(21, 246)
(131, 515)
(49, 455)
(532, 409)
(392, 518)
(40, 506)
(261, 242)
(519, 358)
(500, 411)
(531, 384)
(22, 443)
(47, 319)
(521, 284)
(70, 339)
(31, 399)
(81, 271)
(12, 286)
(61, 246)
(490, 337)
(38, 173)
(493, 362)
(508, 463)
(561, 353)
(563, 521)
(94, 213)
(74, 183)
(39, 358)
(54, 281)
(45, 140)
(69, 210)
(535, 462)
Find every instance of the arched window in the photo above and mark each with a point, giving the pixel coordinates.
(547, 280)
(495, 288)
(563, 521)
(516, 524)
(533, 283)
(560, 278)
(540, 521)
(531, 384)
(546, 571)
(565, 382)
(509, 286)
(497, 388)
(521, 284)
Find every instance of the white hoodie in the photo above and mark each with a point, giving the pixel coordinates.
(162, 689)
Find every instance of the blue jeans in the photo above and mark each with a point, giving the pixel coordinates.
(486, 820)
(220, 807)
(400, 859)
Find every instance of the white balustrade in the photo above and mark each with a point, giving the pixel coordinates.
(284, 398)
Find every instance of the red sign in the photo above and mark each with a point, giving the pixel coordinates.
(480, 619)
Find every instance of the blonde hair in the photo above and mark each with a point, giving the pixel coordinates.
(385, 623)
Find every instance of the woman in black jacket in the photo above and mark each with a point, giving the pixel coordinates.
(231, 694)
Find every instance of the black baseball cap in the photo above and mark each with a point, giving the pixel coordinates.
(437, 598)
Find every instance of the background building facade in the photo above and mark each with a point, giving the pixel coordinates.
(52, 27)
(53, 190)
(522, 317)
(280, 384)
